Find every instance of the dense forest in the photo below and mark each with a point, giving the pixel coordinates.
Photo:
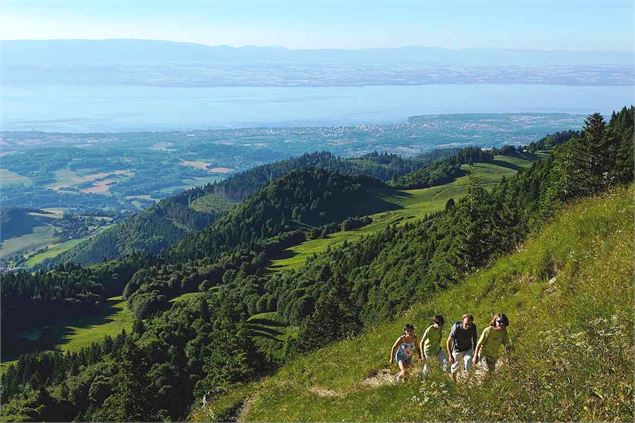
(177, 353)
(301, 198)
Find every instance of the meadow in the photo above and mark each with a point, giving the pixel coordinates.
(73, 334)
(52, 251)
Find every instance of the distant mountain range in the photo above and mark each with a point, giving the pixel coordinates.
(122, 51)
(166, 63)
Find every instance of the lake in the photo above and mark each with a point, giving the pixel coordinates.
(118, 108)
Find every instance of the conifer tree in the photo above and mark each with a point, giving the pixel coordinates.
(335, 317)
(131, 400)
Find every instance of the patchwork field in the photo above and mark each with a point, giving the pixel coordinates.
(11, 178)
(29, 237)
(101, 181)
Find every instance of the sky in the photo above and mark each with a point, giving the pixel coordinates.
(578, 25)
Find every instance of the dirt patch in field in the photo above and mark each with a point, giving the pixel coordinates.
(375, 379)
(244, 409)
(220, 170)
(100, 187)
(66, 178)
(199, 164)
(324, 392)
(379, 378)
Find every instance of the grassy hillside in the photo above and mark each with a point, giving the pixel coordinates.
(73, 334)
(52, 251)
(568, 292)
(39, 237)
(410, 205)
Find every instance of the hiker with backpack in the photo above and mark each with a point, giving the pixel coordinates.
(403, 350)
(461, 344)
(430, 345)
(490, 342)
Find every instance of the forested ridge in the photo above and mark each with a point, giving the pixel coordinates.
(170, 220)
(177, 353)
(443, 171)
(148, 231)
(301, 198)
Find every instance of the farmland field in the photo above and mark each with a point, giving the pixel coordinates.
(11, 178)
(41, 236)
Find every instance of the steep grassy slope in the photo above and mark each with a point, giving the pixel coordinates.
(75, 334)
(568, 292)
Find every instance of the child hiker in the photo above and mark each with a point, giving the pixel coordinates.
(403, 350)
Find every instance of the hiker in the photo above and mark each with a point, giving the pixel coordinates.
(430, 345)
(403, 349)
(490, 341)
(461, 344)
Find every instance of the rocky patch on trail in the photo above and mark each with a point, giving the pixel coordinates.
(378, 378)
(324, 392)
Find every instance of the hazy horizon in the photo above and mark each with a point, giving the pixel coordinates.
(405, 46)
(134, 64)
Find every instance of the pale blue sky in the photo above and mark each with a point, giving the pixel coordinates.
(537, 24)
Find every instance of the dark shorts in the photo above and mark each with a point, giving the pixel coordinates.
(402, 357)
